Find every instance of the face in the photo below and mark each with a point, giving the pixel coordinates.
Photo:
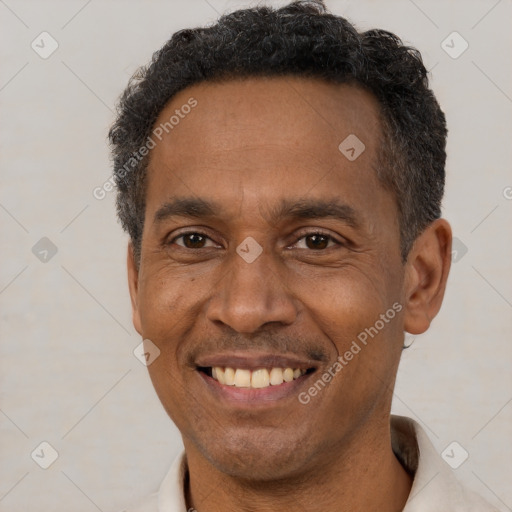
(266, 248)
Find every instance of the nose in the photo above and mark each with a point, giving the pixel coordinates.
(251, 295)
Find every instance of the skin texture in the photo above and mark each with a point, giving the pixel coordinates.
(249, 145)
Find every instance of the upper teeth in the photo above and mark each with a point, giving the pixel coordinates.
(260, 378)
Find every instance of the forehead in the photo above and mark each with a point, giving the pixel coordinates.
(266, 137)
(312, 114)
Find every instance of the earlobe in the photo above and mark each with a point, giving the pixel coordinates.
(133, 284)
(427, 269)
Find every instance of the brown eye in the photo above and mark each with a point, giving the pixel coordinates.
(194, 241)
(191, 240)
(317, 241)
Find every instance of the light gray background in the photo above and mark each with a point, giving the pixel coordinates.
(68, 373)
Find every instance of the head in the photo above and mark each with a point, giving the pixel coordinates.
(280, 175)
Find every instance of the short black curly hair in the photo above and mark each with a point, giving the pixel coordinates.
(301, 39)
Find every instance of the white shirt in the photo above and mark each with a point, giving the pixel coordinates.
(434, 489)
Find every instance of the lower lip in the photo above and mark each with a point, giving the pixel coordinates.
(254, 396)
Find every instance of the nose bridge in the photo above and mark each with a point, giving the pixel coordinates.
(251, 294)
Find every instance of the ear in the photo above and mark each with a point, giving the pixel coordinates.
(133, 284)
(427, 268)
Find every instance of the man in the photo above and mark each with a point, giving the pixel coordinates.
(280, 176)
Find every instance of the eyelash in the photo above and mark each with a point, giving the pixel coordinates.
(300, 236)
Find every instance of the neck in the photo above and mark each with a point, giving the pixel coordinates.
(363, 474)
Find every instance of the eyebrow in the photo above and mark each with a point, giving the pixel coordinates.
(307, 208)
(301, 208)
(187, 207)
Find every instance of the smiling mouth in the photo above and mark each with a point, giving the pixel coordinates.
(255, 379)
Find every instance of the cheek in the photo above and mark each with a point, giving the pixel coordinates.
(364, 328)
(166, 306)
(165, 309)
(347, 301)
(361, 317)
(165, 301)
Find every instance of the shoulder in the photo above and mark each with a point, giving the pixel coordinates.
(435, 486)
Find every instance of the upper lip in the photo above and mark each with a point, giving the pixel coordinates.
(252, 361)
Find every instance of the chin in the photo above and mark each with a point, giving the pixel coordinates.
(257, 455)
